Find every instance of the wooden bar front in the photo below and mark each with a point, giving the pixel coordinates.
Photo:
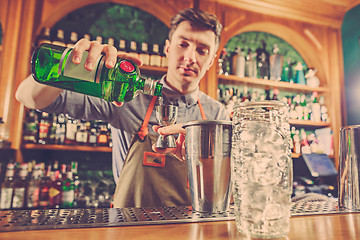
(344, 226)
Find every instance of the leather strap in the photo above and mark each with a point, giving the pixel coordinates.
(144, 127)
(203, 115)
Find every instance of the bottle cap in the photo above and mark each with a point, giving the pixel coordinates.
(127, 66)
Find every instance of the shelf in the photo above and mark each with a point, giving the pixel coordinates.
(267, 84)
(159, 70)
(67, 148)
(298, 155)
(308, 123)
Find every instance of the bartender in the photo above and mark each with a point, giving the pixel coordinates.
(145, 176)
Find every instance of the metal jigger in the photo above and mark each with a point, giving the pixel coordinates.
(166, 115)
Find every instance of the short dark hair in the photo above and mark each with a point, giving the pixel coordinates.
(197, 18)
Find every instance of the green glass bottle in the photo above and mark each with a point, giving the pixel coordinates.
(52, 65)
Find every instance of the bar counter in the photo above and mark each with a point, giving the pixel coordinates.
(329, 226)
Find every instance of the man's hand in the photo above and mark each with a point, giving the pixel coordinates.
(179, 151)
(95, 50)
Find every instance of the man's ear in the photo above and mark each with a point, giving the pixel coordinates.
(167, 46)
(212, 61)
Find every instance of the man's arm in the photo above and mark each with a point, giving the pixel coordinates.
(35, 95)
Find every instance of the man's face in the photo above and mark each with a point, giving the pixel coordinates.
(190, 53)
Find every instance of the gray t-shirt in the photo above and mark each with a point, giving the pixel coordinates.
(126, 120)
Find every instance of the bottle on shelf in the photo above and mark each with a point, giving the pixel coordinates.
(103, 136)
(122, 45)
(276, 64)
(52, 130)
(44, 37)
(81, 135)
(287, 74)
(20, 188)
(87, 36)
(33, 192)
(275, 94)
(68, 193)
(71, 129)
(299, 74)
(250, 64)
(7, 187)
(155, 57)
(324, 110)
(31, 127)
(305, 107)
(297, 144)
(111, 41)
(164, 59)
(73, 39)
(238, 62)
(59, 40)
(60, 132)
(99, 39)
(263, 64)
(76, 181)
(44, 187)
(120, 83)
(144, 54)
(44, 126)
(93, 135)
(224, 63)
(133, 49)
(55, 189)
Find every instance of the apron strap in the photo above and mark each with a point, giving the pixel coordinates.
(203, 115)
(144, 127)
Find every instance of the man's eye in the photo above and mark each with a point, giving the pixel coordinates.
(183, 44)
(203, 51)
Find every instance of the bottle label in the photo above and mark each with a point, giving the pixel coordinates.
(68, 196)
(92, 139)
(53, 193)
(155, 60)
(103, 138)
(69, 69)
(33, 196)
(6, 194)
(18, 198)
(81, 137)
(71, 129)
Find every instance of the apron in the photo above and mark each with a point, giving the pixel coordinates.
(150, 179)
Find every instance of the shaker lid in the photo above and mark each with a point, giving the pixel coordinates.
(207, 122)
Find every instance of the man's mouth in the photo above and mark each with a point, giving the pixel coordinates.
(187, 70)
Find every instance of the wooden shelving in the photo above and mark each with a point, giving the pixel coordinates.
(268, 84)
(67, 148)
(153, 69)
(309, 123)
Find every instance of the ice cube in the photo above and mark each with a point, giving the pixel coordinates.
(274, 211)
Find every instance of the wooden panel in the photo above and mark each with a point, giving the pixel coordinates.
(54, 10)
(315, 12)
(329, 227)
(8, 66)
(23, 68)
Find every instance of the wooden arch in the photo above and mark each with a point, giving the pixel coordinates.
(55, 10)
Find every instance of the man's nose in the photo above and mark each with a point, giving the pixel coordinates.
(190, 55)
